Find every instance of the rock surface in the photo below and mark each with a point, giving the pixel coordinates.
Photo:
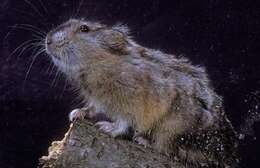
(85, 146)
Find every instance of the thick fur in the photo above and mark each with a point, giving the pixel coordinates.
(164, 98)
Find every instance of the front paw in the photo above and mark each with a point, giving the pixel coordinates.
(112, 128)
(78, 114)
(107, 127)
(141, 140)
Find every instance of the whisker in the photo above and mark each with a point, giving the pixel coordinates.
(40, 51)
(51, 65)
(9, 32)
(40, 43)
(27, 47)
(52, 69)
(39, 34)
(25, 13)
(53, 83)
(73, 10)
(58, 73)
(43, 6)
(79, 7)
(34, 8)
(55, 78)
(64, 88)
(20, 46)
(29, 29)
(34, 27)
(66, 60)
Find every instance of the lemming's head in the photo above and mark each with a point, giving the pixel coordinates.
(70, 40)
(76, 40)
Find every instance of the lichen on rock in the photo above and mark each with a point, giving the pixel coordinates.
(85, 146)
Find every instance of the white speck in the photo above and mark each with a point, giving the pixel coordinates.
(72, 142)
(241, 136)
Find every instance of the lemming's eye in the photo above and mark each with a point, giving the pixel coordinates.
(84, 28)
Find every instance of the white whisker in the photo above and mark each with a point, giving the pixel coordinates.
(55, 78)
(23, 45)
(27, 47)
(52, 69)
(43, 6)
(39, 32)
(64, 88)
(78, 9)
(25, 13)
(34, 27)
(34, 8)
(40, 51)
(47, 71)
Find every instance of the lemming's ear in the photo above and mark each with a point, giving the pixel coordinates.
(115, 41)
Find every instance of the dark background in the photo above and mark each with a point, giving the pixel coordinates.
(223, 36)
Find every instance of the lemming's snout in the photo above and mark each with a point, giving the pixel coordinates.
(57, 38)
(48, 40)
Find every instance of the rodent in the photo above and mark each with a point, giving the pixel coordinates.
(168, 102)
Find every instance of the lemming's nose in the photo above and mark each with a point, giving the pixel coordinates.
(48, 40)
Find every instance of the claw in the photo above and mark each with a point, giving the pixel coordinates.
(105, 126)
(77, 114)
(113, 128)
(142, 141)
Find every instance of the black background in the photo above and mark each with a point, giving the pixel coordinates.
(223, 36)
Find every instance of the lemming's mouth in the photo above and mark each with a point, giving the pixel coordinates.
(52, 48)
(50, 51)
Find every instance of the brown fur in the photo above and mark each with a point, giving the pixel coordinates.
(162, 97)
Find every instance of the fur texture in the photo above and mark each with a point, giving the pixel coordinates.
(167, 101)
